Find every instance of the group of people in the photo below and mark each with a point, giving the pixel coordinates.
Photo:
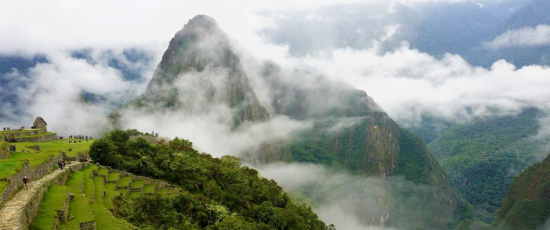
(7, 129)
(78, 137)
(61, 164)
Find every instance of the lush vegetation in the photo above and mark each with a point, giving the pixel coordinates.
(219, 193)
(527, 201)
(483, 156)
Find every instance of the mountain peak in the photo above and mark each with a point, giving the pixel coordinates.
(202, 21)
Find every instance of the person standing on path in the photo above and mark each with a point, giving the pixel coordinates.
(25, 181)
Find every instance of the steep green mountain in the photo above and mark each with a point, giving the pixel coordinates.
(199, 71)
(352, 132)
(484, 155)
(527, 201)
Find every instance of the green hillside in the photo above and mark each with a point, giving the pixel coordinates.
(527, 201)
(217, 193)
(483, 156)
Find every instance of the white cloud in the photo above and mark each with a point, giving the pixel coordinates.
(524, 37)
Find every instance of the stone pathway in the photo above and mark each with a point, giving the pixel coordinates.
(13, 211)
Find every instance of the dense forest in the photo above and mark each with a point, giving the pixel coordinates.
(219, 193)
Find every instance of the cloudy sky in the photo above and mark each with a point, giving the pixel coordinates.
(404, 81)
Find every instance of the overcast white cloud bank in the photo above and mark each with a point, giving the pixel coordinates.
(524, 37)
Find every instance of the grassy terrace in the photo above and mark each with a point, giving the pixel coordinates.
(20, 131)
(124, 181)
(113, 177)
(137, 184)
(9, 167)
(49, 149)
(53, 200)
(12, 165)
(79, 206)
(149, 189)
(103, 172)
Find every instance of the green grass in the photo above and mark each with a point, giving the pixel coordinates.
(79, 206)
(111, 193)
(161, 191)
(8, 167)
(103, 172)
(137, 184)
(135, 194)
(35, 160)
(113, 176)
(124, 181)
(53, 200)
(104, 218)
(122, 192)
(3, 185)
(99, 188)
(149, 189)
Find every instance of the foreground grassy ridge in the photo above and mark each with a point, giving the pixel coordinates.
(53, 200)
(213, 193)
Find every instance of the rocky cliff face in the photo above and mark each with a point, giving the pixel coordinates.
(199, 72)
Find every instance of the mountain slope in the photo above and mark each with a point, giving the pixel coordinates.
(482, 156)
(352, 132)
(527, 201)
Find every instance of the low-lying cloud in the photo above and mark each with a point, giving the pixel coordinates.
(353, 202)
(524, 37)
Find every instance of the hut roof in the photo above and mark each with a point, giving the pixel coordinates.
(37, 120)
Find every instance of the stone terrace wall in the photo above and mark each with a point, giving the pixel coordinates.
(4, 150)
(77, 157)
(31, 208)
(15, 181)
(159, 184)
(45, 167)
(41, 138)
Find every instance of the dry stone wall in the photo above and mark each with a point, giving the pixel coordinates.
(159, 184)
(41, 138)
(88, 225)
(15, 182)
(4, 150)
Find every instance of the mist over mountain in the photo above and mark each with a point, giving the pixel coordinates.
(200, 78)
(377, 114)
